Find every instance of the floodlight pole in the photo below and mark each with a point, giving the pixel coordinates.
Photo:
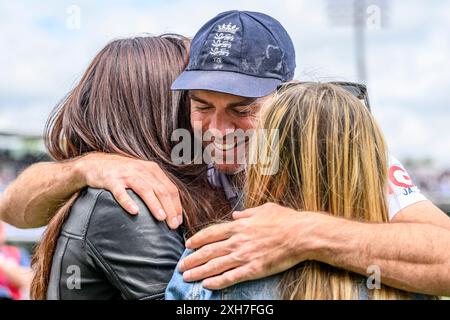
(359, 27)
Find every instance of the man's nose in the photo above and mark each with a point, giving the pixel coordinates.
(220, 126)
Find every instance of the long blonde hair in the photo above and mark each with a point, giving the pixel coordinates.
(332, 158)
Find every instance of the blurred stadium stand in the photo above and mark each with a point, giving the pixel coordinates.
(16, 153)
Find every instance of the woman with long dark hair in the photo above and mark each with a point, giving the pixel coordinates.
(122, 105)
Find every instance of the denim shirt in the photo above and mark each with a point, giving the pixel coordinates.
(264, 289)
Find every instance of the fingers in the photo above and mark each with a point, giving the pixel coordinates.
(167, 193)
(227, 279)
(204, 255)
(153, 204)
(158, 202)
(215, 233)
(212, 268)
(247, 213)
(242, 214)
(168, 206)
(146, 178)
(125, 201)
(170, 192)
(159, 194)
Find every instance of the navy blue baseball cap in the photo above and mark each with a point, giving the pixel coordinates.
(241, 53)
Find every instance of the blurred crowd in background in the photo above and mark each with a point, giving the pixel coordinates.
(11, 166)
(16, 245)
(432, 180)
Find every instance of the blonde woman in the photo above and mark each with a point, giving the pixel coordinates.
(332, 158)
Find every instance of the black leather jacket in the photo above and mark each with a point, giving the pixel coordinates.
(105, 253)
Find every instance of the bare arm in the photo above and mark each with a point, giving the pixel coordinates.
(266, 240)
(35, 196)
(410, 256)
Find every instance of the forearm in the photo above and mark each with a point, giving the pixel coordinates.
(34, 197)
(412, 257)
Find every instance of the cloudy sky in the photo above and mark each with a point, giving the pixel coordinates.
(46, 45)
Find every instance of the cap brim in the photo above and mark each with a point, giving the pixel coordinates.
(234, 83)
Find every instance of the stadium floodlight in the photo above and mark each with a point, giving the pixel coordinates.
(361, 15)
